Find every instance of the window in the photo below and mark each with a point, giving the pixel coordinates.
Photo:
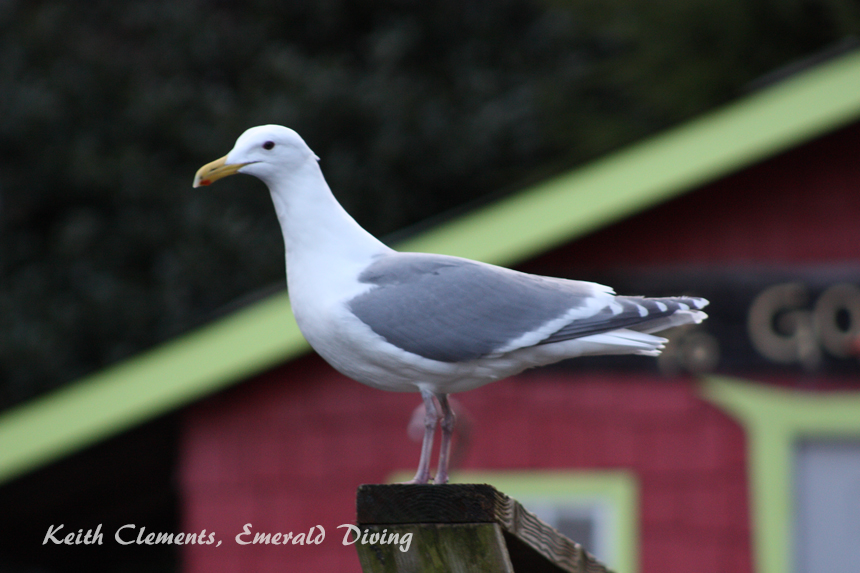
(827, 501)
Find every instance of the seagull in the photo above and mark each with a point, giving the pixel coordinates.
(427, 323)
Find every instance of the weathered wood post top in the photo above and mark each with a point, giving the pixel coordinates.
(458, 527)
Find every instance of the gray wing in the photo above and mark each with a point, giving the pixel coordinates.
(453, 310)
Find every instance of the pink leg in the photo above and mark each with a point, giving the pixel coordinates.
(430, 419)
(448, 420)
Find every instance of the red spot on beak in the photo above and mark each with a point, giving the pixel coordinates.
(205, 182)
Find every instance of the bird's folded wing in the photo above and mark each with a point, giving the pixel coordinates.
(454, 310)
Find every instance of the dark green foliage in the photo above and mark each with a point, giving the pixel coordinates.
(108, 108)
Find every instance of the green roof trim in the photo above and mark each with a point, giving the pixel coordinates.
(154, 382)
(775, 420)
(655, 170)
(520, 226)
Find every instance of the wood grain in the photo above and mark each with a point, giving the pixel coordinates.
(529, 544)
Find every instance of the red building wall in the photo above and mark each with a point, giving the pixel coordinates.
(286, 450)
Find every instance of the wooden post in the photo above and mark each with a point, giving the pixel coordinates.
(470, 528)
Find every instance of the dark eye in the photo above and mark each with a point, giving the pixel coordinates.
(268, 145)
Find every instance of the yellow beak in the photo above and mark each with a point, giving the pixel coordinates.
(218, 169)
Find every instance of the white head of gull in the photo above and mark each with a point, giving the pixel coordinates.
(434, 324)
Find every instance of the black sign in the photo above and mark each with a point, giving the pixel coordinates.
(760, 320)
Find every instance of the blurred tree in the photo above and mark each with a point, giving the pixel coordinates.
(415, 108)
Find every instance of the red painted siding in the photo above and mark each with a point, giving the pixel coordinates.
(286, 452)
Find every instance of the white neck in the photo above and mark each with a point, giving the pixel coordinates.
(318, 233)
